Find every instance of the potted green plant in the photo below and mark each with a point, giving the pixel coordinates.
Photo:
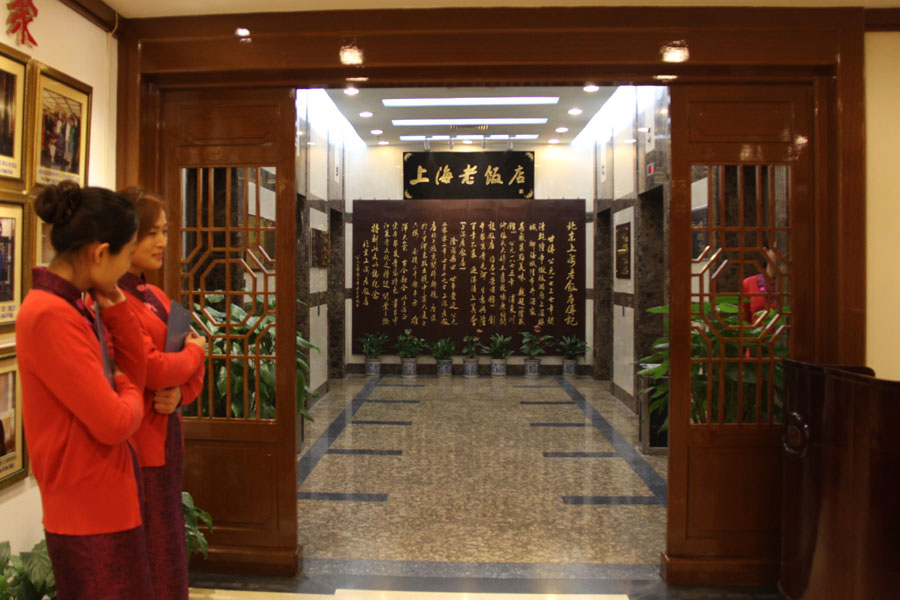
(471, 349)
(498, 348)
(26, 575)
(533, 345)
(713, 338)
(373, 346)
(443, 350)
(409, 347)
(571, 347)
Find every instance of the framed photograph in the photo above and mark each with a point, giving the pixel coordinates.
(13, 462)
(623, 251)
(12, 111)
(11, 218)
(62, 128)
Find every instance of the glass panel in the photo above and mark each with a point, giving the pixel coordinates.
(740, 238)
(228, 278)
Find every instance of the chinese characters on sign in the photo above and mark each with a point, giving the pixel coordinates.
(449, 269)
(468, 175)
(21, 14)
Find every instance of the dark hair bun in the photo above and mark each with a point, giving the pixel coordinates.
(57, 204)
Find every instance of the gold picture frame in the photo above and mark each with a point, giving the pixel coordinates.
(13, 456)
(13, 72)
(12, 227)
(62, 123)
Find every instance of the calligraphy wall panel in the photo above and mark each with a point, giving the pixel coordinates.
(445, 268)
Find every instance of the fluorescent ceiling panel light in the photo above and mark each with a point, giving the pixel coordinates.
(498, 136)
(490, 101)
(413, 138)
(469, 137)
(439, 138)
(467, 141)
(484, 121)
(526, 136)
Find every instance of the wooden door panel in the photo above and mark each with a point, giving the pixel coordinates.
(227, 173)
(742, 184)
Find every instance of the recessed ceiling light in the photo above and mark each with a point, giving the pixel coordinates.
(490, 101)
(351, 54)
(575, 111)
(242, 32)
(665, 77)
(561, 129)
(481, 121)
(675, 51)
(553, 141)
(376, 132)
(591, 88)
(350, 90)
(365, 114)
(383, 142)
(357, 78)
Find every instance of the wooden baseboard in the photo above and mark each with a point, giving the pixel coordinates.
(681, 570)
(279, 562)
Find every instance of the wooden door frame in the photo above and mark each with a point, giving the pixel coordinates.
(821, 47)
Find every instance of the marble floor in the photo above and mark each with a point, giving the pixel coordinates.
(469, 488)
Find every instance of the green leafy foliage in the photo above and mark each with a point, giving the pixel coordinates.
(443, 349)
(252, 326)
(572, 346)
(472, 345)
(533, 343)
(410, 346)
(193, 517)
(373, 344)
(737, 382)
(498, 346)
(27, 576)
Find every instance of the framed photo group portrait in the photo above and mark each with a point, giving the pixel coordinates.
(45, 120)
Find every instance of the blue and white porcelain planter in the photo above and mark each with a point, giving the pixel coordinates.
(498, 367)
(569, 365)
(373, 367)
(408, 367)
(445, 367)
(470, 367)
(532, 367)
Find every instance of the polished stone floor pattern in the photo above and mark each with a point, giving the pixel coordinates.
(478, 478)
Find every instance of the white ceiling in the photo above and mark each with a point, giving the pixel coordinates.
(165, 8)
(370, 99)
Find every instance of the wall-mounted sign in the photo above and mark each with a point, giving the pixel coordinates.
(21, 14)
(447, 269)
(623, 251)
(459, 175)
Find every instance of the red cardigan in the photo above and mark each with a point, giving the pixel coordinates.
(164, 370)
(76, 425)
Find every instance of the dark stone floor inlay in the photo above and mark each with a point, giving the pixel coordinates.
(382, 401)
(362, 452)
(610, 500)
(365, 422)
(580, 455)
(560, 424)
(547, 402)
(342, 497)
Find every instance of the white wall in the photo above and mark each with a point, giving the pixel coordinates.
(70, 44)
(883, 203)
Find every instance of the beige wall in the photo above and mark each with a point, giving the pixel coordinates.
(883, 203)
(70, 44)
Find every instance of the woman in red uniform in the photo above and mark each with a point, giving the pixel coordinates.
(173, 379)
(81, 396)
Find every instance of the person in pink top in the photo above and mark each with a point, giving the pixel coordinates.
(82, 375)
(173, 380)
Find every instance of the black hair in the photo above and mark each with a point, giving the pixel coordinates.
(80, 216)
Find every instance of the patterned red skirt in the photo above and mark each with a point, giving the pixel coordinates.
(164, 520)
(109, 566)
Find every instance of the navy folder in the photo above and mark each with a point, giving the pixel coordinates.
(179, 327)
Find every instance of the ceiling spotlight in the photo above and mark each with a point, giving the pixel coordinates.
(383, 142)
(242, 32)
(553, 141)
(351, 54)
(575, 111)
(561, 129)
(365, 114)
(591, 88)
(350, 90)
(357, 78)
(665, 77)
(675, 51)
(376, 132)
